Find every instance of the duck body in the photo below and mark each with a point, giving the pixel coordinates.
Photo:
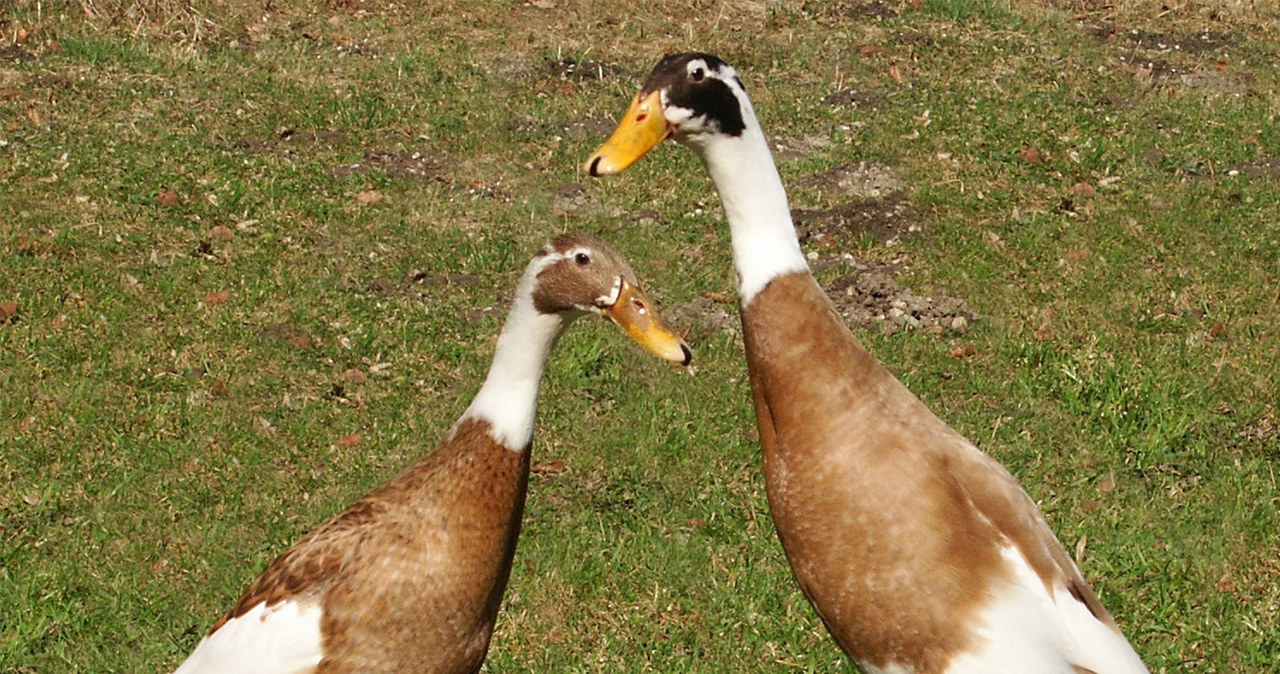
(920, 553)
(410, 578)
(913, 546)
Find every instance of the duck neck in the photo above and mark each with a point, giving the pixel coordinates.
(755, 203)
(508, 400)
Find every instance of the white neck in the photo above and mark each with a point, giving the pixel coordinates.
(508, 400)
(764, 240)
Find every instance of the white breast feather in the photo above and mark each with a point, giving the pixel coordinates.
(1028, 631)
(282, 639)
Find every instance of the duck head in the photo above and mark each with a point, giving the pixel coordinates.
(575, 275)
(694, 98)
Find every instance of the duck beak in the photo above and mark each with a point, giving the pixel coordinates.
(641, 129)
(634, 313)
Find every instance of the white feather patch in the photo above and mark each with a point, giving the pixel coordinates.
(755, 202)
(1025, 629)
(508, 400)
(282, 639)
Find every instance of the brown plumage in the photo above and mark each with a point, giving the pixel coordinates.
(862, 476)
(920, 554)
(414, 572)
(410, 578)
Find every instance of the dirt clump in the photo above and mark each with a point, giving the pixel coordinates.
(1194, 43)
(703, 316)
(1263, 168)
(400, 164)
(884, 220)
(871, 296)
(864, 180)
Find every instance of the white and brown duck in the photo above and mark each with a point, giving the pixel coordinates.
(920, 553)
(409, 579)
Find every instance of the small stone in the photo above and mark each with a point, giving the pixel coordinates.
(959, 323)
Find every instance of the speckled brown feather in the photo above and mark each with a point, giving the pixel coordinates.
(891, 520)
(418, 566)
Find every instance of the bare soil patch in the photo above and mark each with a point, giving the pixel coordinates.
(703, 316)
(16, 54)
(289, 334)
(871, 296)
(1198, 42)
(882, 219)
(401, 164)
(571, 197)
(852, 9)
(799, 147)
(1264, 168)
(864, 180)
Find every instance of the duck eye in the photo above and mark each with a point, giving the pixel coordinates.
(582, 259)
(697, 74)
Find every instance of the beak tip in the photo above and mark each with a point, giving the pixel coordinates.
(688, 355)
(593, 166)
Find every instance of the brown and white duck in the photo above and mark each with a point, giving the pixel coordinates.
(920, 553)
(409, 579)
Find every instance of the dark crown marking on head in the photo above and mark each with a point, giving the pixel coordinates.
(710, 97)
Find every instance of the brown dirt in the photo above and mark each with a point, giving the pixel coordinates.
(863, 180)
(870, 9)
(16, 54)
(882, 219)
(431, 165)
(590, 127)
(570, 197)
(1160, 57)
(703, 316)
(852, 9)
(1264, 168)
(871, 296)
(289, 334)
(787, 148)
(1198, 42)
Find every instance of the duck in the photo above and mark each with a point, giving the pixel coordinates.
(920, 553)
(410, 577)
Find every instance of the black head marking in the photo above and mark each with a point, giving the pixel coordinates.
(708, 95)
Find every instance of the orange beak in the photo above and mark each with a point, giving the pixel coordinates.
(639, 131)
(634, 313)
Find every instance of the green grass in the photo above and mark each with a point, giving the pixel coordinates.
(159, 447)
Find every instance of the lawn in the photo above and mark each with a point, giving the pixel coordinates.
(254, 256)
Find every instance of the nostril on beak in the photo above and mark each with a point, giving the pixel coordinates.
(595, 167)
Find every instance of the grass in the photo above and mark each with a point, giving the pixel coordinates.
(195, 272)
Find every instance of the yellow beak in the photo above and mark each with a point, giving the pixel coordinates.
(634, 313)
(639, 131)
